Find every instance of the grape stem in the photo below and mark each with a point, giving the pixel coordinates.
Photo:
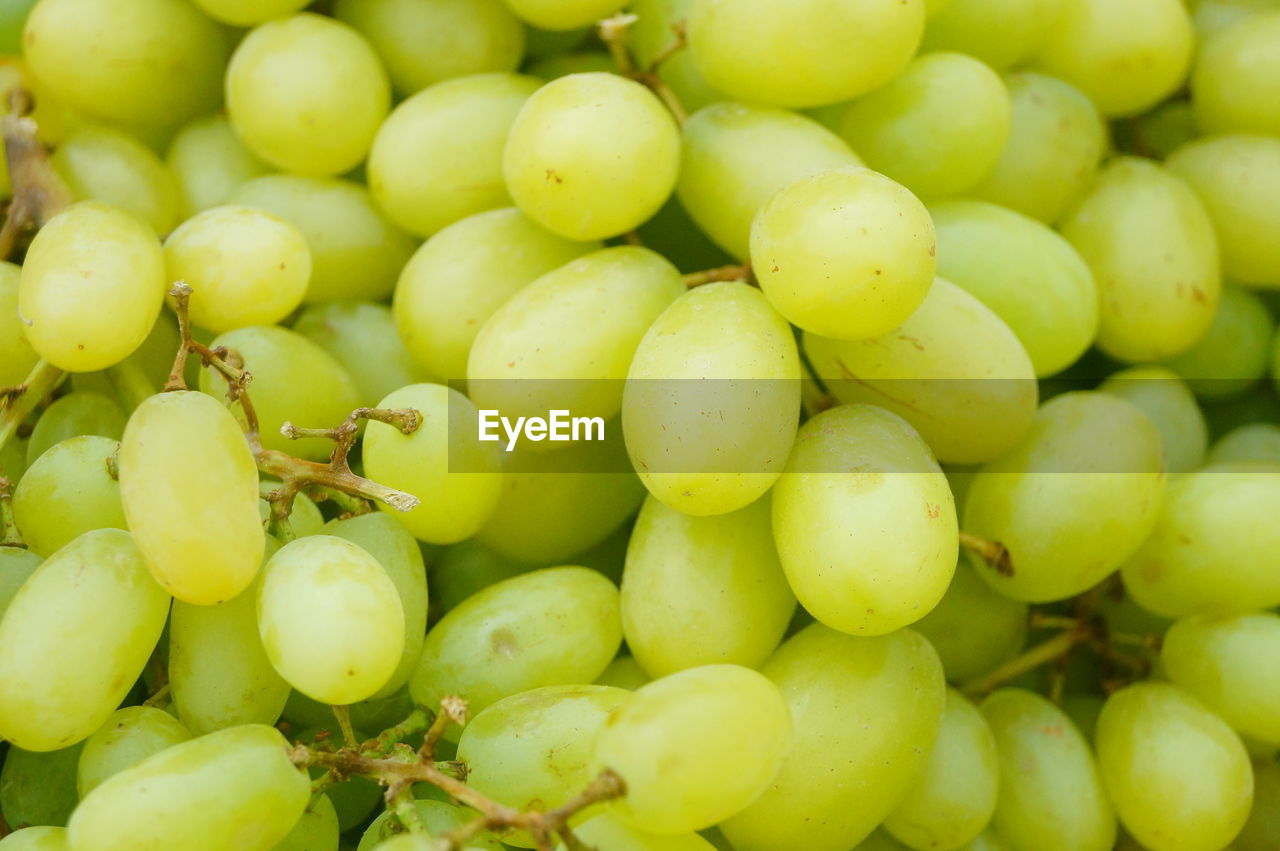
(9, 534)
(16, 403)
(343, 714)
(993, 553)
(613, 32)
(1029, 660)
(38, 191)
(721, 273)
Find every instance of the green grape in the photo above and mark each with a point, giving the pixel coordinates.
(13, 15)
(16, 355)
(362, 336)
(1154, 255)
(209, 162)
(974, 628)
(16, 566)
(953, 369)
(800, 53)
(202, 544)
(101, 164)
(1159, 132)
(1213, 16)
(91, 287)
(1262, 831)
(533, 750)
(623, 672)
(1073, 501)
(1232, 355)
(1179, 777)
(711, 401)
(677, 744)
(652, 36)
(734, 158)
(294, 380)
(148, 62)
(1056, 139)
(575, 330)
(549, 627)
(1165, 398)
(844, 252)
(244, 267)
(75, 415)
(938, 128)
(127, 738)
(1236, 76)
(305, 517)
(38, 788)
(66, 667)
(317, 830)
(438, 157)
(563, 14)
(355, 252)
(1233, 666)
(1213, 547)
(954, 797)
(1127, 56)
(331, 619)
(465, 568)
(1237, 179)
(246, 13)
(606, 832)
(1001, 33)
(1051, 792)
(306, 94)
(36, 839)
(235, 788)
(591, 155)
(1254, 442)
(865, 713)
(68, 491)
(555, 67)
(437, 817)
(880, 840)
(442, 463)
(382, 536)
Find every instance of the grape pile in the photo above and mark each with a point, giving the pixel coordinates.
(932, 345)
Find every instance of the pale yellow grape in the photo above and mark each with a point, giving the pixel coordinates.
(151, 62)
(607, 832)
(1026, 273)
(1001, 33)
(549, 627)
(1154, 255)
(246, 13)
(1162, 396)
(438, 157)
(1056, 139)
(1232, 355)
(1051, 792)
(355, 252)
(65, 666)
(16, 355)
(801, 53)
(101, 164)
(717, 444)
(244, 266)
(735, 157)
(1262, 831)
(955, 795)
(77, 413)
(864, 521)
(1253, 442)
(1127, 55)
(974, 628)
(1238, 179)
(306, 94)
(563, 14)
(304, 517)
(591, 155)
(703, 590)
(1214, 546)
(128, 737)
(464, 273)
(16, 566)
(1179, 777)
(455, 476)
(1236, 80)
(938, 128)
(652, 36)
(844, 252)
(235, 788)
(423, 42)
(1073, 501)
(209, 161)
(41, 838)
(362, 336)
(68, 491)
(575, 330)
(953, 370)
(1232, 665)
(623, 672)
(865, 713)
(203, 544)
(91, 287)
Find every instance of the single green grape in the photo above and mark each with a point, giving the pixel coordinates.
(1232, 355)
(1262, 831)
(39, 788)
(974, 628)
(563, 14)
(16, 566)
(1165, 398)
(101, 164)
(652, 36)
(74, 415)
(16, 355)
(209, 162)
(606, 832)
(1237, 72)
(1001, 33)
(361, 335)
(317, 830)
(1253, 442)
(13, 15)
(36, 839)
(466, 568)
(128, 737)
(68, 491)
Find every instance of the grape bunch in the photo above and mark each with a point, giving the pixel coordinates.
(918, 364)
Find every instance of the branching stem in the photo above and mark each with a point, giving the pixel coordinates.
(17, 403)
(613, 32)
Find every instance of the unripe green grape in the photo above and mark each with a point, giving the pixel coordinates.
(1236, 76)
(1262, 831)
(128, 737)
(652, 36)
(549, 627)
(606, 832)
(623, 672)
(39, 788)
(203, 544)
(1154, 255)
(834, 787)
(209, 162)
(306, 94)
(438, 156)
(1254, 442)
(1162, 396)
(466, 568)
(1073, 501)
(437, 817)
(974, 628)
(563, 14)
(317, 830)
(16, 566)
(101, 164)
(74, 415)
(16, 355)
(953, 370)
(65, 667)
(36, 839)
(736, 157)
(235, 788)
(1026, 273)
(361, 335)
(68, 491)
(1232, 355)
(442, 463)
(1179, 777)
(1001, 33)
(91, 287)
(846, 253)
(591, 156)
(714, 445)
(246, 13)
(938, 128)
